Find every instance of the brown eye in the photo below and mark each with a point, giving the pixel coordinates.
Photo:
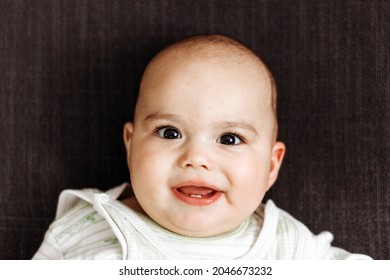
(168, 133)
(229, 139)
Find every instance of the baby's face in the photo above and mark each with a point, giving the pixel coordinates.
(201, 152)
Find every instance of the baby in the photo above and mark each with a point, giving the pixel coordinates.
(202, 152)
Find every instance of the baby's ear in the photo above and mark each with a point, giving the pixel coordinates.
(277, 155)
(127, 134)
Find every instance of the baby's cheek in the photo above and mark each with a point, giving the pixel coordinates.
(251, 175)
(153, 165)
(252, 167)
(145, 154)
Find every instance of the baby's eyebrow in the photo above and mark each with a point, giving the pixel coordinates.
(157, 116)
(239, 124)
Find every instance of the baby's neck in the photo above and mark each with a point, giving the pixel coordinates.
(133, 204)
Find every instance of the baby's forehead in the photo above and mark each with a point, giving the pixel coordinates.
(215, 78)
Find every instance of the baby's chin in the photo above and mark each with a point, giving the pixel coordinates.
(199, 224)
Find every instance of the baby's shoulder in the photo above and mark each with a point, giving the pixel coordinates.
(80, 231)
(74, 220)
(284, 234)
(76, 212)
(292, 239)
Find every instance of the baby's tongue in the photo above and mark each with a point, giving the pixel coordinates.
(191, 190)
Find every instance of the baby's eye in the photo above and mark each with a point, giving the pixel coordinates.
(168, 133)
(230, 139)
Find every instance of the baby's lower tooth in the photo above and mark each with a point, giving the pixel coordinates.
(196, 195)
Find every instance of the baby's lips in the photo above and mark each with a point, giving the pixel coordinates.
(197, 193)
(196, 187)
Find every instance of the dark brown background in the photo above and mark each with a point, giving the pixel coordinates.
(69, 73)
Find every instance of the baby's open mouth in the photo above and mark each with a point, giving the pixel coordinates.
(198, 194)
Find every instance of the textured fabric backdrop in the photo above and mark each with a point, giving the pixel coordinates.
(69, 73)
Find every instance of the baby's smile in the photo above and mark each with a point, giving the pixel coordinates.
(197, 193)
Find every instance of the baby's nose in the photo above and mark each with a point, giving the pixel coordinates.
(196, 155)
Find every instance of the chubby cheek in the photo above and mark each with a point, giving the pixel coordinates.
(147, 168)
(249, 179)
